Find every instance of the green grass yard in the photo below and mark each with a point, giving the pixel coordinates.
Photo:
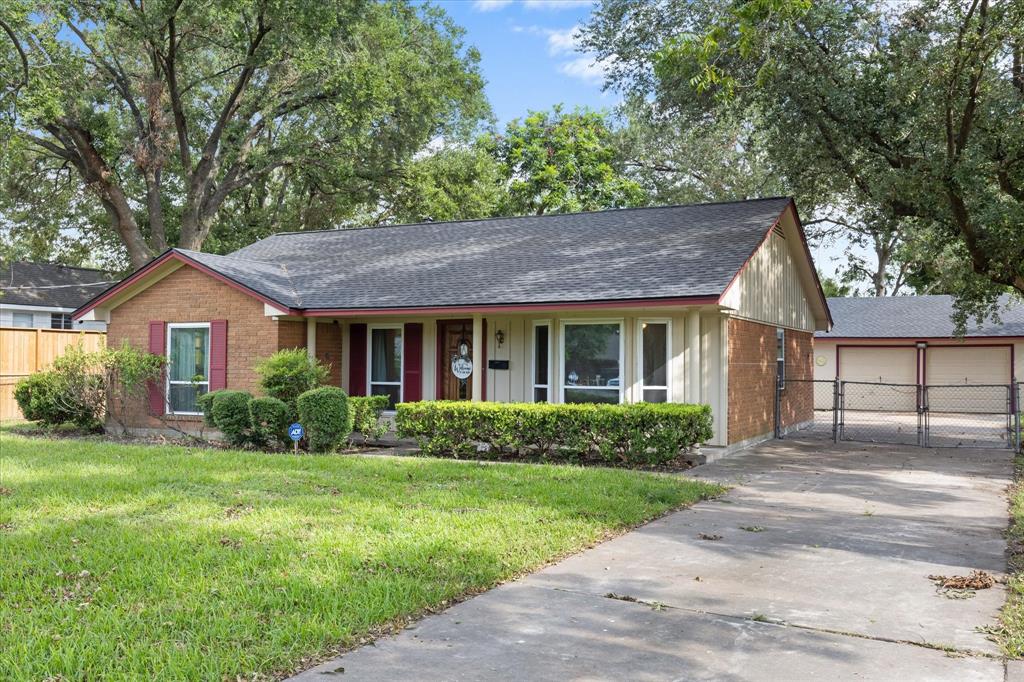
(1011, 634)
(131, 562)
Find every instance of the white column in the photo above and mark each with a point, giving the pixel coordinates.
(693, 367)
(311, 337)
(478, 359)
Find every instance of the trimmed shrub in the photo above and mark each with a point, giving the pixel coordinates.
(45, 397)
(631, 435)
(230, 413)
(366, 412)
(287, 374)
(269, 419)
(205, 403)
(325, 414)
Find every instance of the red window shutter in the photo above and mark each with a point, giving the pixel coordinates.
(157, 338)
(218, 355)
(412, 362)
(357, 359)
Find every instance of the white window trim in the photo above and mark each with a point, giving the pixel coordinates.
(622, 356)
(31, 319)
(640, 357)
(533, 361)
(167, 381)
(780, 356)
(369, 361)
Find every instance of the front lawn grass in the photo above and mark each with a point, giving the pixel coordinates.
(140, 562)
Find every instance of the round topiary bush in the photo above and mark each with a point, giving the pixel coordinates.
(231, 415)
(269, 419)
(325, 414)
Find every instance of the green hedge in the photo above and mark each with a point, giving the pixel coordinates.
(230, 412)
(637, 434)
(325, 414)
(366, 412)
(269, 419)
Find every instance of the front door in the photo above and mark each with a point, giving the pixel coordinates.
(454, 338)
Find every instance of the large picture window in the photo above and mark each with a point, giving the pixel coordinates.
(592, 362)
(188, 366)
(386, 363)
(541, 362)
(654, 361)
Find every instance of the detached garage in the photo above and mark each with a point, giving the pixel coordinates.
(910, 340)
(905, 374)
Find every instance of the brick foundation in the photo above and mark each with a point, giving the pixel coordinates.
(752, 371)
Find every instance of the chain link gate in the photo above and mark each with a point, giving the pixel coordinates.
(957, 415)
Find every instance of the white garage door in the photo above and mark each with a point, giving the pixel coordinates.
(884, 366)
(967, 378)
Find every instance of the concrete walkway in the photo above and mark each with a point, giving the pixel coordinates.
(821, 570)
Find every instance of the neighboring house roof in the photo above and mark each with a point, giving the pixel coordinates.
(50, 285)
(913, 317)
(688, 252)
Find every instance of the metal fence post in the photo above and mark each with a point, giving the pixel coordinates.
(835, 410)
(842, 409)
(922, 419)
(1017, 408)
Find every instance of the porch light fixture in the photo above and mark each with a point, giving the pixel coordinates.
(500, 336)
(921, 344)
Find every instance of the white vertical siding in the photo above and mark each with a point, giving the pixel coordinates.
(770, 289)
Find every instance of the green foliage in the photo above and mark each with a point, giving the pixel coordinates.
(898, 126)
(269, 419)
(366, 413)
(205, 403)
(324, 413)
(288, 373)
(557, 162)
(44, 397)
(834, 288)
(84, 387)
(630, 435)
(230, 412)
(222, 121)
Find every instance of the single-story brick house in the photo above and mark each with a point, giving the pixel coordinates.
(912, 340)
(683, 303)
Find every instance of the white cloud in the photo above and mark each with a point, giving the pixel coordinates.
(561, 41)
(490, 5)
(586, 68)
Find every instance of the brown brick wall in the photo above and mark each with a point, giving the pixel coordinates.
(187, 295)
(752, 379)
(328, 349)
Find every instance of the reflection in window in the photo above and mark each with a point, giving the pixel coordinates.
(592, 363)
(21, 319)
(386, 363)
(654, 361)
(188, 367)
(541, 363)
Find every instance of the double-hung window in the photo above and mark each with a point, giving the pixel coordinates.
(541, 362)
(188, 366)
(385, 353)
(654, 337)
(591, 362)
(61, 321)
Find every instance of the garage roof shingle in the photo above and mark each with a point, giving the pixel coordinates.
(906, 317)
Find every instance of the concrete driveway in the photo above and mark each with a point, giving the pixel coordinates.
(821, 570)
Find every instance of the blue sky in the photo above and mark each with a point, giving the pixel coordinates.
(528, 54)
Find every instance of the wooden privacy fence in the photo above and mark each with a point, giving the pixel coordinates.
(26, 351)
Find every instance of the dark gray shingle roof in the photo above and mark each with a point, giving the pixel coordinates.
(906, 317)
(49, 284)
(662, 252)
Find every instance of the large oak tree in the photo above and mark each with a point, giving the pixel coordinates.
(177, 118)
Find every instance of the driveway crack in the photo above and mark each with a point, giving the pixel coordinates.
(767, 620)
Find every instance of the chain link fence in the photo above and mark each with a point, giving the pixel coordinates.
(962, 415)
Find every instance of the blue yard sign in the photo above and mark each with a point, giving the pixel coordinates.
(296, 432)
